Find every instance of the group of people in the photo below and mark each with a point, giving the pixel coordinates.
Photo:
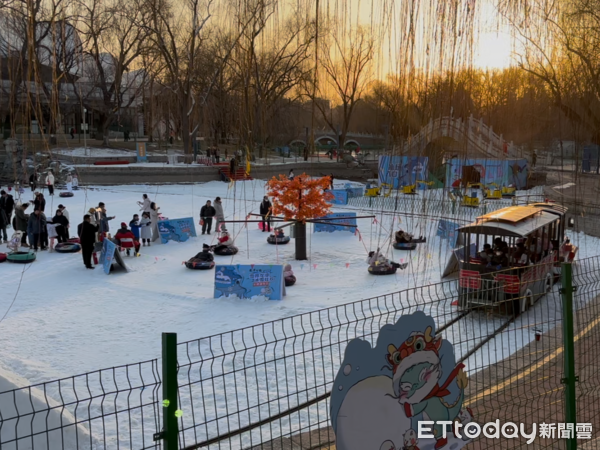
(37, 231)
(34, 181)
(210, 211)
(524, 252)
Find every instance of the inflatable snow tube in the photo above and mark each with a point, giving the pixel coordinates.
(382, 270)
(290, 281)
(278, 241)
(227, 251)
(405, 246)
(21, 257)
(74, 240)
(66, 194)
(67, 247)
(2, 257)
(196, 264)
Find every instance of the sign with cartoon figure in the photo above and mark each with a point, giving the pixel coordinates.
(179, 230)
(247, 281)
(380, 394)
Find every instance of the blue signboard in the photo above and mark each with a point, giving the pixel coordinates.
(355, 192)
(501, 172)
(402, 170)
(337, 225)
(107, 255)
(179, 230)
(247, 281)
(447, 230)
(339, 197)
(141, 152)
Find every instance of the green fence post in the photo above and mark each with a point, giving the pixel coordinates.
(170, 391)
(569, 351)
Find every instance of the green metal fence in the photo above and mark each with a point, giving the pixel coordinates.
(268, 386)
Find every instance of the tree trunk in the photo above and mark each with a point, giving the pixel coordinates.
(300, 231)
(185, 124)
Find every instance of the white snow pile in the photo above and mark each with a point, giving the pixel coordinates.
(92, 151)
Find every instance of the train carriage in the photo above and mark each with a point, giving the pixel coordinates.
(516, 281)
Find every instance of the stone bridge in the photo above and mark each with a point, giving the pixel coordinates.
(470, 138)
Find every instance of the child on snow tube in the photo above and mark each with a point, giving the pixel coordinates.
(205, 255)
(376, 259)
(402, 237)
(288, 275)
(224, 241)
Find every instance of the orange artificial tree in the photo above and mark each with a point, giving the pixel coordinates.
(299, 200)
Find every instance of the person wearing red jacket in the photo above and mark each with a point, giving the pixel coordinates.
(125, 234)
(224, 241)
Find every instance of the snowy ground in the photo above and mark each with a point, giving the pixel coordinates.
(67, 320)
(61, 319)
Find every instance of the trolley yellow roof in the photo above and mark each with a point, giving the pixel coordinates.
(512, 214)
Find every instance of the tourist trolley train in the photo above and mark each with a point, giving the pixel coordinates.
(514, 282)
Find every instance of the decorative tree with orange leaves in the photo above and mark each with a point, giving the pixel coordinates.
(299, 200)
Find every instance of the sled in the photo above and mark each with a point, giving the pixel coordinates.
(227, 251)
(386, 270)
(196, 264)
(278, 240)
(21, 257)
(67, 247)
(405, 245)
(290, 281)
(66, 194)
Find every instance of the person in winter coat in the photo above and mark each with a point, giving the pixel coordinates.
(265, 212)
(3, 224)
(62, 223)
(50, 182)
(87, 238)
(36, 226)
(145, 205)
(102, 218)
(33, 180)
(402, 237)
(377, 259)
(331, 181)
(205, 254)
(219, 214)
(291, 175)
(124, 233)
(39, 202)
(134, 224)
(52, 234)
(65, 213)
(75, 182)
(7, 205)
(224, 241)
(145, 229)
(206, 214)
(154, 208)
(232, 168)
(20, 222)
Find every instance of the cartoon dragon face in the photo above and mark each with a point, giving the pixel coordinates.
(415, 366)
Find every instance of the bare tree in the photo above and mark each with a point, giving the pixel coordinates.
(561, 48)
(345, 63)
(113, 43)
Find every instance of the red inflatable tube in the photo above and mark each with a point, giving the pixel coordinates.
(110, 163)
(2, 257)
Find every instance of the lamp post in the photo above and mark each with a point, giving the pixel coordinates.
(84, 126)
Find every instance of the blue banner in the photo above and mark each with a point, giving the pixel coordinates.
(178, 230)
(107, 255)
(447, 230)
(337, 225)
(247, 281)
(355, 192)
(402, 170)
(501, 172)
(340, 197)
(141, 152)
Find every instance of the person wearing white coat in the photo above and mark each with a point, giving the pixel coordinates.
(146, 229)
(69, 183)
(219, 214)
(145, 205)
(50, 182)
(154, 219)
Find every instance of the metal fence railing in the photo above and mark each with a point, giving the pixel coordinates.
(268, 386)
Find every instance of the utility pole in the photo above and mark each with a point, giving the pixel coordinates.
(84, 126)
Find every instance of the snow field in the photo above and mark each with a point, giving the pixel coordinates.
(67, 320)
